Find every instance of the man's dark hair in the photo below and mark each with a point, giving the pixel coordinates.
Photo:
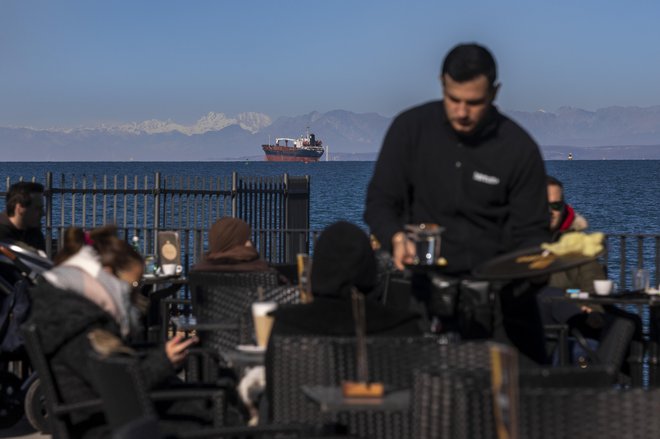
(552, 181)
(467, 61)
(21, 193)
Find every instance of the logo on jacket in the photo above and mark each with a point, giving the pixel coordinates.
(483, 178)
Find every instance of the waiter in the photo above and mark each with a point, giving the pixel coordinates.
(461, 164)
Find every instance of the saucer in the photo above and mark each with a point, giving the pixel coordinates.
(250, 348)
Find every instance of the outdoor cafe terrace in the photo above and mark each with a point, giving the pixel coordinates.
(435, 386)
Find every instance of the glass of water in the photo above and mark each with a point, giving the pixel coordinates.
(641, 280)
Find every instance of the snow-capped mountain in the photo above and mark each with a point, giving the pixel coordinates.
(252, 122)
(614, 132)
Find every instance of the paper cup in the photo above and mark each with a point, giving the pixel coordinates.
(603, 287)
(263, 323)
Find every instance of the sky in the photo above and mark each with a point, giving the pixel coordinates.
(81, 63)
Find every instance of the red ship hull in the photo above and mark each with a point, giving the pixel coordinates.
(276, 153)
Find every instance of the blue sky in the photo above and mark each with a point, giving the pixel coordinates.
(82, 63)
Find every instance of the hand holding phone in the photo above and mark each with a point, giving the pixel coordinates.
(176, 348)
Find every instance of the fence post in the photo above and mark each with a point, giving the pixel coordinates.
(234, 194)
(48, 194)
(296, 216)
(156, 211)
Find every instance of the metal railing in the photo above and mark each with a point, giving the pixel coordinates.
(627, 252)
(276, 207)
(143, 206)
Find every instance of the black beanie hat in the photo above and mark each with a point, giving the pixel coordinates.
(343, 258)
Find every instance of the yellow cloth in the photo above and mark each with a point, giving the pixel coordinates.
(576, 242)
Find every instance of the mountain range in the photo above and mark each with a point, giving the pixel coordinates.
(608, 133)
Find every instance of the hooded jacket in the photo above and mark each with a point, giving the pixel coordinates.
(343, 259)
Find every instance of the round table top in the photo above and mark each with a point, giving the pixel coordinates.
(527, 263)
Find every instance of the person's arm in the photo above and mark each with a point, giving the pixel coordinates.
(529, 219)
(388, 192)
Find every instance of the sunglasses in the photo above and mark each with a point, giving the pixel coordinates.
(556, 205)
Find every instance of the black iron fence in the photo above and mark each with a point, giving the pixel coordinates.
(143, 206)
(627, 252)
(276, 207)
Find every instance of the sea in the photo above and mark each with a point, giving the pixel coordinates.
(616, 196)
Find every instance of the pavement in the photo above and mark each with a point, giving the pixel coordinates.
(22, 430)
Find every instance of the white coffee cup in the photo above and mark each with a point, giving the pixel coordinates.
(170, 269)
(603, 287)
(263, 323)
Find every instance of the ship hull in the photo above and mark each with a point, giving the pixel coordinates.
(288, 154)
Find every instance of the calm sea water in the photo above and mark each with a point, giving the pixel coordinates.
(615, 196)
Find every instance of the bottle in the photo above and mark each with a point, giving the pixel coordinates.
(136, 244)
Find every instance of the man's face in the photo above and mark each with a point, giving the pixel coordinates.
(556, 203)
(466, 103)
(30, 216)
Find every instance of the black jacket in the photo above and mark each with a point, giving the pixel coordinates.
(488, 190)
(64, 319)
(9, 232)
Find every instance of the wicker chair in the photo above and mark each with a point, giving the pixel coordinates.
(452, 403)
(293, 362)
(58, 412)
(588, 413)
(130, 412)
(221, 297)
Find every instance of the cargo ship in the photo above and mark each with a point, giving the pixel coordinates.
(303, 149)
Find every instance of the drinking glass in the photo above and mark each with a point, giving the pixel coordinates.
(641, 280)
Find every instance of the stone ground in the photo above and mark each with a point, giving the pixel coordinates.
(22, 430)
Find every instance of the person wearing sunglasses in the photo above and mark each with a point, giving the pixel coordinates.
(589, 320)
(563, 217)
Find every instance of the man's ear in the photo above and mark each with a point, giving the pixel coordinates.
(495, 90)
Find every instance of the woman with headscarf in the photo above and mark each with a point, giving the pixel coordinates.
(230, 248)
(343, 260)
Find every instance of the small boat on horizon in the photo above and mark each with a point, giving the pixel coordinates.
(570, 156)
(303, 149)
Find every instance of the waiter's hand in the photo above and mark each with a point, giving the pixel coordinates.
(403, 250)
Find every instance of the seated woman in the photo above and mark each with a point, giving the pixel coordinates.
(230, 248)
(343, 259)
(85, 304)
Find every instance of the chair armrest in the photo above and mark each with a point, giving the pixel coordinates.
(61, 409)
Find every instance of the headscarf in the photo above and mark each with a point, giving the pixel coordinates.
(227, 233)
(83, 274)
(227, 249)
(343, 258)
